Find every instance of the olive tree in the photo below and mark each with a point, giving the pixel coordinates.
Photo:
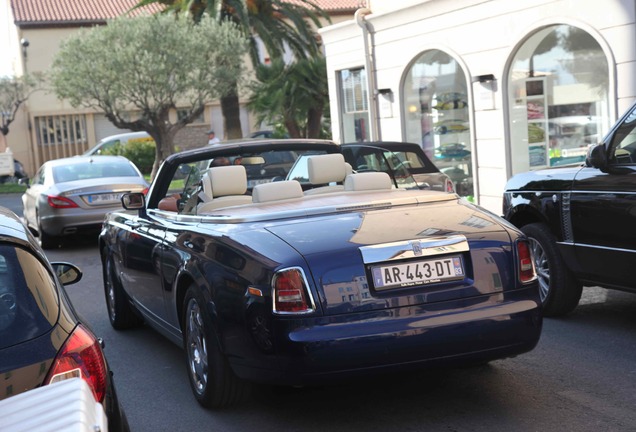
(136, 70)
(14, 91)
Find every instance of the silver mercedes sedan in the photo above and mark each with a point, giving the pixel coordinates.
(72, 195)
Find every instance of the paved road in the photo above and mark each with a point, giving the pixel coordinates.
(13, 202)
(581, 377)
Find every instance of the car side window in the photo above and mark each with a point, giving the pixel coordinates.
(623, 144)
(39, 177)
(28, 296)
(107, 146)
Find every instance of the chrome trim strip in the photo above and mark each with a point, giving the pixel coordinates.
(596, 247)
(575, 191)
(566, 215)
(303, 207)
(601, 192)
(414, 249)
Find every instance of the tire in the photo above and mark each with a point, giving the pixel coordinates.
(213, 382)
(47, 241)
(121, 314)
(560, 291)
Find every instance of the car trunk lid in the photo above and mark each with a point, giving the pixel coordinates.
(402, 256)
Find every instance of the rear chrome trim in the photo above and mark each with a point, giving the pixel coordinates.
(414, 249)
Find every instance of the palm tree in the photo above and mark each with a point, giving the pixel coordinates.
(279, 24)
(295, 95)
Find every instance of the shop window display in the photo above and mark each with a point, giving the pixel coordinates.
(558, 98)
(436, 111)
(355, 109)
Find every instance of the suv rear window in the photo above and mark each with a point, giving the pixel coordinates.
(29, 302)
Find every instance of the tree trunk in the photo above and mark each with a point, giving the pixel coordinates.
(293, 129)
(314, 121)
(231, 115)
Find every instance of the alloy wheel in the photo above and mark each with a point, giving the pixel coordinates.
(542, 267)
(197, 347)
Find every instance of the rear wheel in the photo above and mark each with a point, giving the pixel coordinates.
(560, 292)
(47, 241)
(120, 312)
(211, 378)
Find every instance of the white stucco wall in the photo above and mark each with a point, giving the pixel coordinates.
(483, 36)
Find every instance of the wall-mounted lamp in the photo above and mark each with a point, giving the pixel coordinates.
(386, 93)
(25, 44)
(484, 78)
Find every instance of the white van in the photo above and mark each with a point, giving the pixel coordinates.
(111, 141)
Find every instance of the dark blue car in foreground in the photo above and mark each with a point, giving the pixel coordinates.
(262, 279)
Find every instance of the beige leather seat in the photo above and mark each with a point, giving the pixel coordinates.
(224, 186)
(277, 191)
(368, 181)
(329, 170)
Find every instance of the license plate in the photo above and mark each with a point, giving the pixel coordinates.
(100, 198)
(417, 272)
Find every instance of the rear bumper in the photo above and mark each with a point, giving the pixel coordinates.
(72, 221)
(452, 333)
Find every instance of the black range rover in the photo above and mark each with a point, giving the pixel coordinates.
(581, 220)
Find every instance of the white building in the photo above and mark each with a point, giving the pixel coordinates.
(489, 88)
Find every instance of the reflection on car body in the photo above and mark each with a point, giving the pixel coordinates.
(293, 285)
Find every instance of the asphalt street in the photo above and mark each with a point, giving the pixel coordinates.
(580, 377)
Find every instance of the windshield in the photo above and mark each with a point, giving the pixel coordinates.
(367, 158)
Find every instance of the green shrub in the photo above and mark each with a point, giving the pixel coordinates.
(139, 152)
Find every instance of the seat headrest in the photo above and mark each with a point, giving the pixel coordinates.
(276, 191)
(323, 169)
(368, 181)
(225, 180)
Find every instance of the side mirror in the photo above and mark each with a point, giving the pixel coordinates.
(25, 181)
(67, 273)
(133, 201)
(596, 157)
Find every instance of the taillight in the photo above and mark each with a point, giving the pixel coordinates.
(60, 202)
(290, 293)
(145, 191)
(449, 186)
(81, 357)
(525, 262)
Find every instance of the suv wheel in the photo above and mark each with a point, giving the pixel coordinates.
(560, 292)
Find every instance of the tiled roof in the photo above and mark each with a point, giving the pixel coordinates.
(65, 12)
(72, 11)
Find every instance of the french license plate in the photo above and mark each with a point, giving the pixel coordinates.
(100, 198)
(421, 272)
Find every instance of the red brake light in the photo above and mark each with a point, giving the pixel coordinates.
(60, 202)
(145, 191)
(450, 188)
(81, 356)
(526, 263)
(290, 293)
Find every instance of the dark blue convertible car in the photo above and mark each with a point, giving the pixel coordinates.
(263, 279)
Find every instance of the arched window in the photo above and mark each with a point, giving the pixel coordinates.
(435, 95)
(558, 98)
